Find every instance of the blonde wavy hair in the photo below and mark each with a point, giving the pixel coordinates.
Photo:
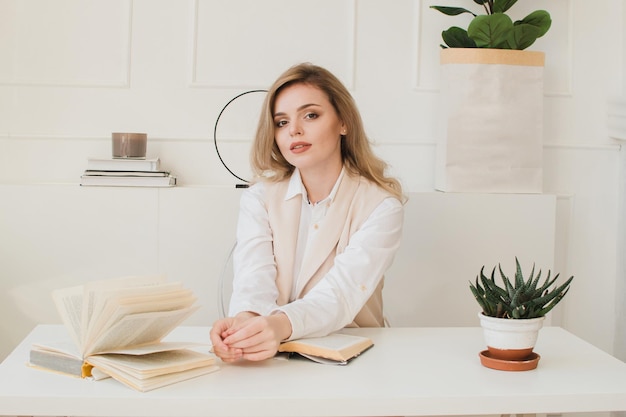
(358, 158)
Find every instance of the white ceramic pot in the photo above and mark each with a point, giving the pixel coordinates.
(510, 339)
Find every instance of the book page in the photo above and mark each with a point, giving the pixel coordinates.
(98, 295)
(115, 304)
(149, 384)
(139, 329)
(121, 311)
(66, 348)
(69, 304)
(153, 364)
(158, 347)
(154, 297)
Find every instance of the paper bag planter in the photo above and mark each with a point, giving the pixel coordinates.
(492, 110)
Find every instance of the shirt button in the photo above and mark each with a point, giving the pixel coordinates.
(363, 287)
(315, 226)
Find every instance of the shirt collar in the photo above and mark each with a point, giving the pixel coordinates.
(297, 187)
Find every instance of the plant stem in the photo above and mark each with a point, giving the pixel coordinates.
(490, 8)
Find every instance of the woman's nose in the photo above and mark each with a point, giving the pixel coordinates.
(295, 128)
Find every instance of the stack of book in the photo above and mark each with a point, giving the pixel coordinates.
(126, 173)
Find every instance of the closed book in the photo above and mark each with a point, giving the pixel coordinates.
(123, 164)
(128, 180)
(127, 173)
(336, 348)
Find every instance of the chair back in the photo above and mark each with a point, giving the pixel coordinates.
(225, 285)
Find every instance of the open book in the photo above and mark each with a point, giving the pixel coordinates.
(116, 326)
(336, 348)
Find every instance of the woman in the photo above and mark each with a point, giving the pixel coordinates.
(318, 228)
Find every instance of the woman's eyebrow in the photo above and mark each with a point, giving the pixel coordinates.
(302, 107)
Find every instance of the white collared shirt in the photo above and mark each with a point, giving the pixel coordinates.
(311, 219)
(339, 296)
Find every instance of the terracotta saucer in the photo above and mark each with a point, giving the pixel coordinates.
(506, 365)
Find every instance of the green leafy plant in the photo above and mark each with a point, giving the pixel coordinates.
(520, 299)
(495, 29)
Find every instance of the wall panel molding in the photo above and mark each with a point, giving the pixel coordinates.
(616, 118)
(258, 76)
(74, 56)
(417, 51)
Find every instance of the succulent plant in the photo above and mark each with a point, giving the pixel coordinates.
(520, 299)
(495, 29)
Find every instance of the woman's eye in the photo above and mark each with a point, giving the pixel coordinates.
(311, 116)
(281, 123)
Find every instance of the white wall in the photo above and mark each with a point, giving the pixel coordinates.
(72, 72)
(88, 233)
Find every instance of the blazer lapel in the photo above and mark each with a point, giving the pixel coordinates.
(328, 237)
(285, 243)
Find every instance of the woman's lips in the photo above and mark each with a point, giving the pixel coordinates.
(299, 147)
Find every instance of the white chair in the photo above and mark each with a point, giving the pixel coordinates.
(225, 285)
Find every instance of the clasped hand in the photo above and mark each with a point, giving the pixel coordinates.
(249, 336)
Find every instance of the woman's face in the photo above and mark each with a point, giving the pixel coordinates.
(307, 128)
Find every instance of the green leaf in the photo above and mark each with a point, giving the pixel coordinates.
(540, 19)
(547, 283)
(519, 277)
(501, 6)
(559, 290)
(535, 281)
(490, 285)
(452, 11)
(523, 36)
(479, 296)
(518, 312)
(455, 37)
(510, 289)
(551, 304)
(491, 31)
(516, 298)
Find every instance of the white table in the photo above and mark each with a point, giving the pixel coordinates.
(409, 371)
